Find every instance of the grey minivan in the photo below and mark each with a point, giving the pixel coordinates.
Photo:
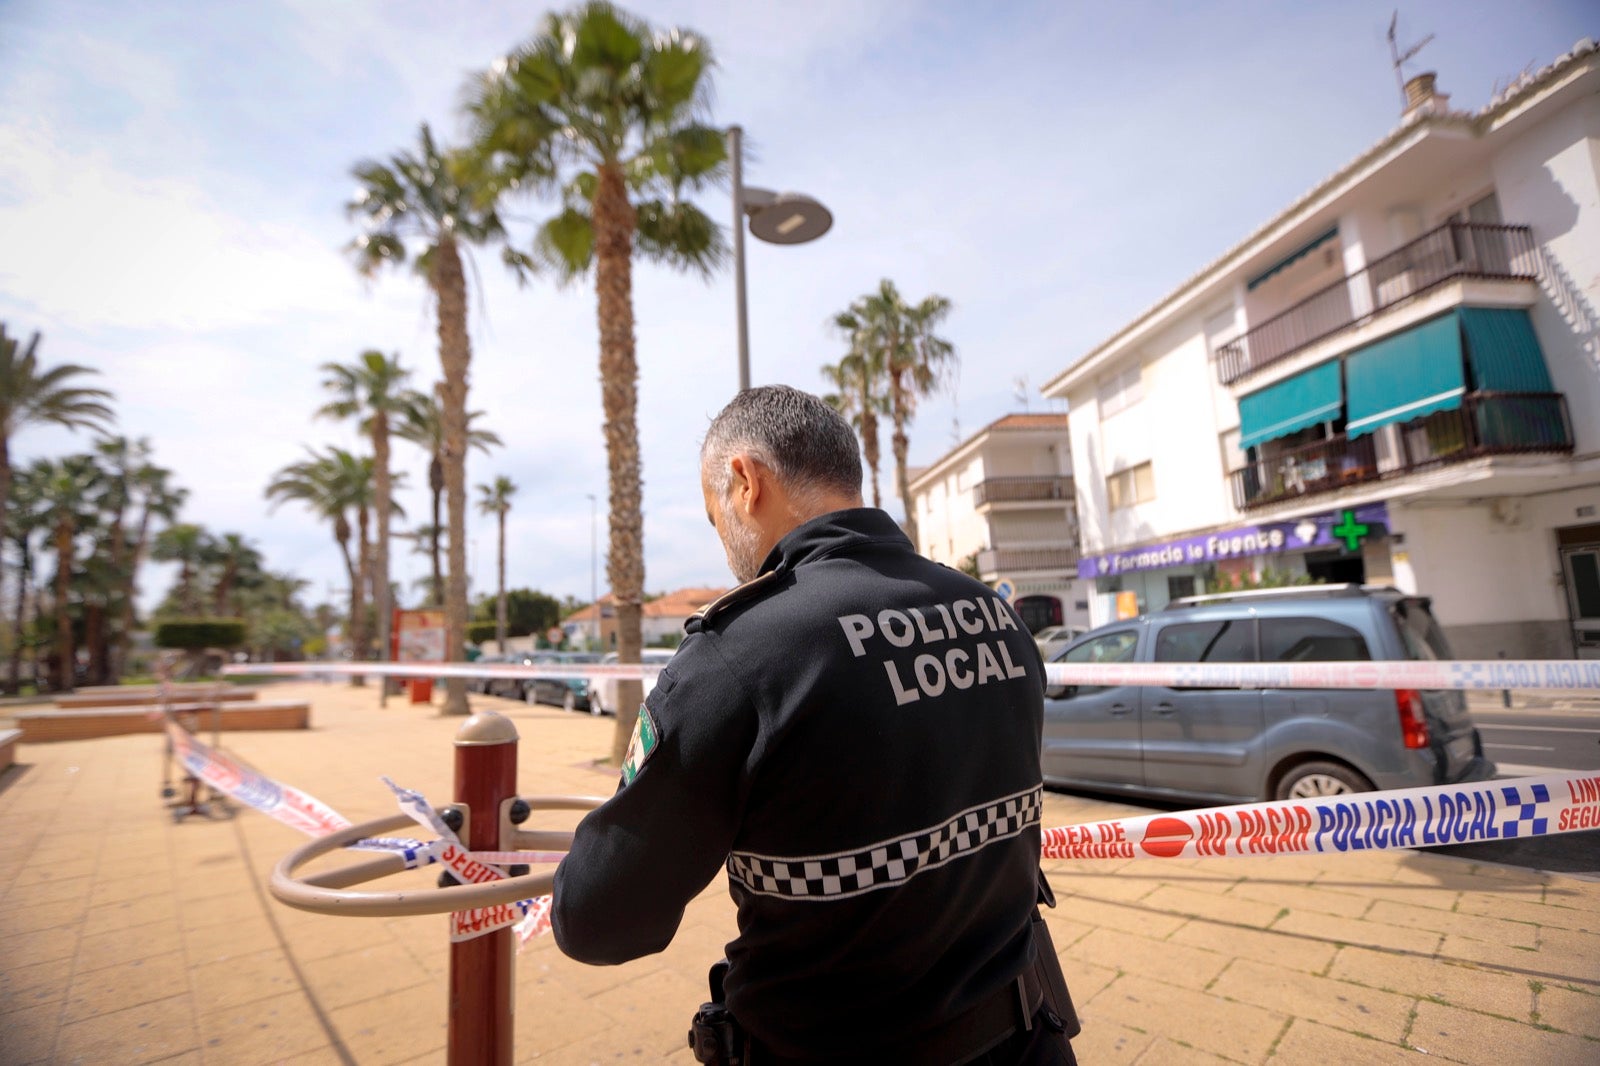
(1235, 745)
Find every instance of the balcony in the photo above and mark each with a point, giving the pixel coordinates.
(1486, 423)
(1011, 560)
(1021, 490)
(1454, 250)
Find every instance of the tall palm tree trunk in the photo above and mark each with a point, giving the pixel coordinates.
(455, 356)
(869, 445)
(64, 651)
(362, 632)
(619, 392)
(436, 486)
(130, 592)
(5, 502)
(902, 445)
(380, 562)
(20, 620)
(500, 602)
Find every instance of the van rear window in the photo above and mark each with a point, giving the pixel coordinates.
(1423, 638)
(1310, 640)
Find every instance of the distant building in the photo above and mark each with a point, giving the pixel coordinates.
(1395, 380)
(1002, 501)
(661, 618)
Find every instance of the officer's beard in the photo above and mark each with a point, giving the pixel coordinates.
(743, 545)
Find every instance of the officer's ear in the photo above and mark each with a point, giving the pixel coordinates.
(747, 487)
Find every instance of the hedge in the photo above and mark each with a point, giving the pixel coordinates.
(199, 633)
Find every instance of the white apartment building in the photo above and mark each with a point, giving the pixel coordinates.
(1395, 380)
(1005, 495)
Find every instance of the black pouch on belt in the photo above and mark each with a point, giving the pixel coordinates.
(1047, 967)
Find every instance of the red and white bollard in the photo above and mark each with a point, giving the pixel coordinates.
(481, 1026)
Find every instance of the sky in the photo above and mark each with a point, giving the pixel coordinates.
(173, 179)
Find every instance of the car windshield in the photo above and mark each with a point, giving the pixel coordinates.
(1423, 638)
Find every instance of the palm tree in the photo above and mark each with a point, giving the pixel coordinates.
(25, 518)
(422, 424)
(241, 568)
(333, 485)
(428, 205)
(32, 395)
(190, 546)
(609, 108)
(911, 356)
(495, 499)
(372, 391)
(160, 500)
(425, 541)
(66, 487)
(859, 395)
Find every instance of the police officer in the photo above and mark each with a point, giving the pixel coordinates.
(854, 733)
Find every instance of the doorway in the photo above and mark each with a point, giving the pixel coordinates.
(1580, 572)
(1336, 568)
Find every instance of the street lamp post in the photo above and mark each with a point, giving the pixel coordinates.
(775, 217)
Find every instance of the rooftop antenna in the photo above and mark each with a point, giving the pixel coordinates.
(1021, 391)
(1400, 59)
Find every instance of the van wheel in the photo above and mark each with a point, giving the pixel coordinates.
(569, 702)
(1312, 779)
(596, 708)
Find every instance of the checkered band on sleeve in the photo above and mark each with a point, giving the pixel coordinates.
(889, 862)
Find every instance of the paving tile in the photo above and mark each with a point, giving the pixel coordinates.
(1175, 964)
(266, 1031)
(232, 909)
(219, 943)
(341, 980)
(1304, 898)
(1342, 1005)
(41, 873)
(393, 1027)
(1480, 1038)
(129, 914)
(1460, 985)
(1237, 1030)
(145, 1033)
(1280, 948)
(1313, 1044)
(1105, 1043)
(130, 984)
(1548, 915)
(1476, 926)
(1572, 1012)
(322, 1056)
(1573, 953)
(125, 945)
(656, 1007)
(38, 917)
(1335, 930)
(1231, 909)
(26, 949)
(126, 888)
(29, 1034)
(24, 987)
(243, 979)
(1128, 918)
(74, 889)
(1165, 1051)
(1524, 962)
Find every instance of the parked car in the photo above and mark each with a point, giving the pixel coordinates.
(482, 683)
(1052, 639)
(1232, 745)
(603, 690)
(571, 693)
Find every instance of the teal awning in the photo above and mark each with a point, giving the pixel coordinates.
(1405, 376)
(1503, 351)
(1291, 405)
(1293, 257)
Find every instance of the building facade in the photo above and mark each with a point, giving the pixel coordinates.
(1394, 381)
(1002, 500)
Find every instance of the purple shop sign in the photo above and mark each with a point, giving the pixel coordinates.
(1347, 528)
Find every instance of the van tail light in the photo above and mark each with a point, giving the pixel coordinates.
(1413, 722)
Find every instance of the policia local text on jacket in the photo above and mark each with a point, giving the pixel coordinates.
(855, 733)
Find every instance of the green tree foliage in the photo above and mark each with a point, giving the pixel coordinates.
(527, 611)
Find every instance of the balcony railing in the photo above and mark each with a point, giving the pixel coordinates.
(1009, 560)
(1486, 423)
(1454, 250)
(1014, 489)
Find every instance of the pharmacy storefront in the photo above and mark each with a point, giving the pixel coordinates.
(1347, 545)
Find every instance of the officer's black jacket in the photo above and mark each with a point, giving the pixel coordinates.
(856, 735)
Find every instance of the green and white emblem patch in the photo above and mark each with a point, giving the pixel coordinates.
(646, 738)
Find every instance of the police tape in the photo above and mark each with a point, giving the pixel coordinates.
(1433, 816)
(235, 779)
(1385, 674)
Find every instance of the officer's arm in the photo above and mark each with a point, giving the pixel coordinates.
(640, 858)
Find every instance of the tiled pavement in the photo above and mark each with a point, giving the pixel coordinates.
(127, 938)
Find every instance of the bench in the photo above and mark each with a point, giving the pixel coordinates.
(150, 695)
(8, 747)
(83, 724)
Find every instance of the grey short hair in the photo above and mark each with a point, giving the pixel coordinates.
(799, 437)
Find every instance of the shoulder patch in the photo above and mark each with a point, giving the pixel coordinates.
(748, 590)
(646, 738)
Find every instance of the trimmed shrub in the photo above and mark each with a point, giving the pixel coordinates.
(478, 632)
(197, 634)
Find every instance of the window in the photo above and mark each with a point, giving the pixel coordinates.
(1137, 484)
(1120, 390)
(1230, 641)
(1310, 640)
(1180, 586)
(1115, 647)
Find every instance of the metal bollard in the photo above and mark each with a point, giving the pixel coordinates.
(481, 1028)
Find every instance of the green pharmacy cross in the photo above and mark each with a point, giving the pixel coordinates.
(1350, 531)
